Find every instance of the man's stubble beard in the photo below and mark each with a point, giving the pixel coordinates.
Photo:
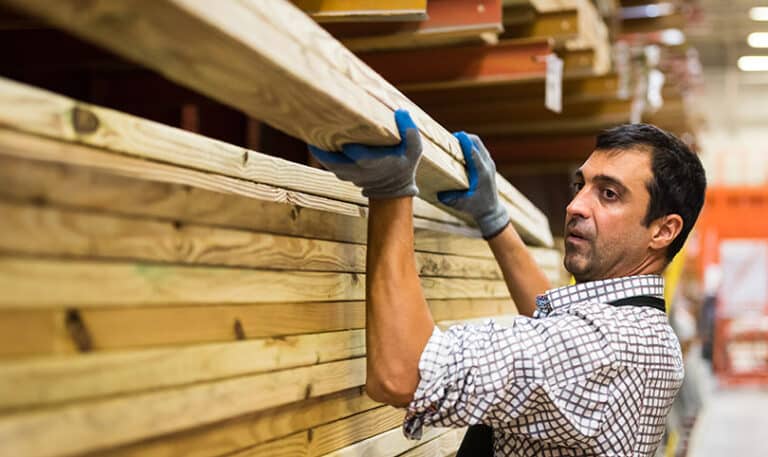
(579, 262)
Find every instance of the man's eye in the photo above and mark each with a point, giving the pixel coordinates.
(576, 187)
(608, 194)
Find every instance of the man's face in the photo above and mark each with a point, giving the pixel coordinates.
(604, 232)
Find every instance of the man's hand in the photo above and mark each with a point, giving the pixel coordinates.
(381, 171)
(481, 200)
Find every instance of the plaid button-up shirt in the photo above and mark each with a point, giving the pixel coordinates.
(581, 378)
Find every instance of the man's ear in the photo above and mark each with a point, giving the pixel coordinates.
(664, 230)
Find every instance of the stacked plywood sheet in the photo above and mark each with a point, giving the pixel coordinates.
(167, 294)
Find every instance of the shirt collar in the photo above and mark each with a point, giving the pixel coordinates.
(604, 291)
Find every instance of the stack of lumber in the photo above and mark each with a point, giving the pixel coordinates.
(445, 22)
(575, 25)
(660, 27)
(168, 294)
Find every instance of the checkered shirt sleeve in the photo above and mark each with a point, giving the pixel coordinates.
(507, 377)
(587, 379)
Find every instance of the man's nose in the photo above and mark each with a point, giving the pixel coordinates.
(579, 206)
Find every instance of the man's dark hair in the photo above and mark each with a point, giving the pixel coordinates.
(678, 184)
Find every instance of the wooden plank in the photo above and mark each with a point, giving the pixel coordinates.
(126, 328)
(525, 23)
(43, 109)
(444, 445)
(290, 446)
(33, 332)
(448, 22)
(51, 380)
(107, 184)
(549, 6)
(129, 284)
(463, 65)
(364, 10)
(580, 88)
(249, 430)
(233, 38)
(58, 232)
(594, 35)
(512, 151)
(675, 20)
(127, 185)
(109, 422)
(484, 118)
(331, 437)
(33, 110)
(526, 110)
(387, 444)
(583, 118)
(347, 431)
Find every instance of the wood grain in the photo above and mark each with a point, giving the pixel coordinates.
(110, 422)
(295, 90)
(52, 380)
(333, 436)
(388, 444)
(444, 445)
(50, 231)
(33, 110)
(96, 180)
(72, 283)
(45, 332)
(247, 431)
(296, 58)
(56, 379)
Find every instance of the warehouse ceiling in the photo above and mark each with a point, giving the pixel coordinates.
(732, 99)
(719, 29)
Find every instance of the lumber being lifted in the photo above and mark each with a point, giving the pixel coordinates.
(271, 61)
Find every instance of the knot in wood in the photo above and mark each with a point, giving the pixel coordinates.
(84, 121)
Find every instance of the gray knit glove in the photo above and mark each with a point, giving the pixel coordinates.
(481, 200)
(381, 171)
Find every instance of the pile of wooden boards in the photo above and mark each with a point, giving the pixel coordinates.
(167, 294)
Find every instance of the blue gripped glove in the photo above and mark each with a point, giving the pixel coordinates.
(381, 171)
(481, 200)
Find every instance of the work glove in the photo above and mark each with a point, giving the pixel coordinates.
(481, 199)
(381, 171)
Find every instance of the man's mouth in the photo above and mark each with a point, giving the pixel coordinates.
(574, 236)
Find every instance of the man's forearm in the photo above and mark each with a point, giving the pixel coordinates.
(523, 276)
(398, 321)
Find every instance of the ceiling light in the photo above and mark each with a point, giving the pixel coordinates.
(753, 63)
(759, 13)
(758, 39)
(647, 11)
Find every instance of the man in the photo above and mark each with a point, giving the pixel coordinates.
(583, 375)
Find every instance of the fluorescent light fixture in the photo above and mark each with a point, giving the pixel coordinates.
(759, 13)
(753, 63)
(647, 11)
(758, 39)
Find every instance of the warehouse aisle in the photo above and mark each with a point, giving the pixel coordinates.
(733, 422)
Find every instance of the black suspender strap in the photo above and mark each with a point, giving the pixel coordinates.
(642, 300)
(478, 441)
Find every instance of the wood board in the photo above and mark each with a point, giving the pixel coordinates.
(273, 36)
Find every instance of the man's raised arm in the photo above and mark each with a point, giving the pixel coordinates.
(523, 276)
(398, 321)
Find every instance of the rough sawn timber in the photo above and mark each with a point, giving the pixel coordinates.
(271, 61)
